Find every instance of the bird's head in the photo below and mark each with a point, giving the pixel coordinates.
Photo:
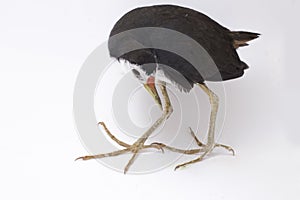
(148, 82)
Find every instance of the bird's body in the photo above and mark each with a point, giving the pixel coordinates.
(219, 42)
(185, 70)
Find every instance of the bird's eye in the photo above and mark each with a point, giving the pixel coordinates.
(136, 72)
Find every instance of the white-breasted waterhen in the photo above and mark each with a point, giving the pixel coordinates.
(147, 58)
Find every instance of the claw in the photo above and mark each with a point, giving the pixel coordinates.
(79, 158)
(101, 123)
(84, 158)
(226, 147)
(179, 166)
(158, 146)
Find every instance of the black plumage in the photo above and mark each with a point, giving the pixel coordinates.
(219, 42)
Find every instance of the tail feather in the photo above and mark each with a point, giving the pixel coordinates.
(240, 38)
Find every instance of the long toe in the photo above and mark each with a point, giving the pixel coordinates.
(206, 151)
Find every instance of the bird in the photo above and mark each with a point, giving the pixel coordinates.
(138, 38)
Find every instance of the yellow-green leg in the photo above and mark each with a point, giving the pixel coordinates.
(139, 145)
(210, 145)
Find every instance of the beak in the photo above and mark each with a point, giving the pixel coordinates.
(150, 87)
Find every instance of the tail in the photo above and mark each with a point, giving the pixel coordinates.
(240, 38)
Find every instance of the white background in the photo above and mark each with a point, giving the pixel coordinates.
(43, 45)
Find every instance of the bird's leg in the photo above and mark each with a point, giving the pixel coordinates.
(150, 87)
(167, 110)
(210, 145)
(139, 145)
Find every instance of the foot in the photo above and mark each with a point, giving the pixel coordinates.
(134, 148)
(206, 150)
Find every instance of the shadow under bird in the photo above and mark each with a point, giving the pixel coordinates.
(169, 43)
